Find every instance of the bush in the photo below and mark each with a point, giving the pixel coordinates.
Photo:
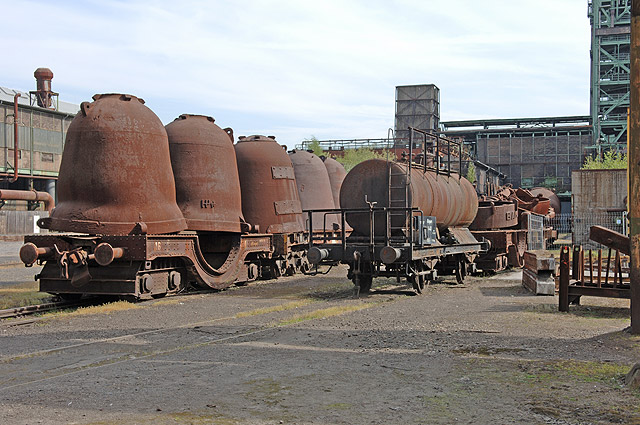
(353, 157)
(610, 160)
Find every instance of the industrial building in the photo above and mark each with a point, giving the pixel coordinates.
(531, 152)
(30, 156)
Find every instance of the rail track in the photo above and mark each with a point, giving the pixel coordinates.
(44, 307)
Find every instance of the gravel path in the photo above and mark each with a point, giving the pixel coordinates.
(302, 350)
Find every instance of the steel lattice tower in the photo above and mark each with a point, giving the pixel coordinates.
(610, 40)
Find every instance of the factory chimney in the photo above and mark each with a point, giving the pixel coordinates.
(43, 93)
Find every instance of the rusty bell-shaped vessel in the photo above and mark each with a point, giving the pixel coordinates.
(314, 188)
(337, 173)
(206, 174)
(115, 176)
(269, 195)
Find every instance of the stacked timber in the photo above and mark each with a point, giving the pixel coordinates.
(537, 275)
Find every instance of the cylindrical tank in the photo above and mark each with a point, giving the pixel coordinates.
(547, 193)
(269, 195)
(116, 176)
(206, 174)
(314, 187)
(451, 199)
(337, 173)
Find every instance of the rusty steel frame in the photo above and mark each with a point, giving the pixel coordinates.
(573, 283)
(365, 254)
(66, 257)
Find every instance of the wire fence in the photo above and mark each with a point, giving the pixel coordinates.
(573, 229)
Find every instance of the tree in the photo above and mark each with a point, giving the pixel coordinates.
(314, 145)
(471, 172)
(610, 160)
(353, 157)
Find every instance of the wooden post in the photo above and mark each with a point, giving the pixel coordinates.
(599, 267)
(634, 167)
(563, 292)
(590, 268)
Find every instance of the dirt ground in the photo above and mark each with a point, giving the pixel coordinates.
(302, 350)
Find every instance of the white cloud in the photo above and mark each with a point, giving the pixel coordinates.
(296, 68)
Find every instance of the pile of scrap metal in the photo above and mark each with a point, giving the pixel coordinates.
(503, 220)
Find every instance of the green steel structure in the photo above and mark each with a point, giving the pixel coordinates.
(610, 40)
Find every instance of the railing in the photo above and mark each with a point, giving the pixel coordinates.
(375, 215)
(574, 229)
(535, 234)
(342, 144)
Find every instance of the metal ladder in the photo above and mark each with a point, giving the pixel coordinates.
(398, 196)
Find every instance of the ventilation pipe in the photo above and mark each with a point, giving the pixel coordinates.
(15, 138)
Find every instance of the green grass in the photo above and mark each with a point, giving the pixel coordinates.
(282, 307)
(324, 313)
(22, 294)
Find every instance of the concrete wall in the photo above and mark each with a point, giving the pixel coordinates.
(20, 222)
(598, 191)
(598, 198)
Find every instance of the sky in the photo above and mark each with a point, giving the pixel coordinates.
(296, 69)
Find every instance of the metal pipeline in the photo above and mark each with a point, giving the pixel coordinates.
(28, 195)
(15, 138)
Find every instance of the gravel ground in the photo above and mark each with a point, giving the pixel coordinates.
(302, 350)
(9, 252)
(11, 275)
(12, 271)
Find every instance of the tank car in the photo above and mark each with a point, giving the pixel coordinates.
(150, 208)
(409, 220)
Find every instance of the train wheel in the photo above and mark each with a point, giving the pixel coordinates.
(365, 284)
(461, 271)
(418, 283)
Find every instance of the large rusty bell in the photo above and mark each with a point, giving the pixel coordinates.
(115, 176)
(206, 174)
(314, 188)
(270, 200)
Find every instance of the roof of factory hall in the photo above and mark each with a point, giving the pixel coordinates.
(516, 123)
(65, 108)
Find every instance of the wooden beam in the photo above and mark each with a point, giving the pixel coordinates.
(610, 239)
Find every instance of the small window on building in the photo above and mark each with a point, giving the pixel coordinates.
(46, 157)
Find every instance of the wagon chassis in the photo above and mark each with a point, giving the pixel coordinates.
(418, 254)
